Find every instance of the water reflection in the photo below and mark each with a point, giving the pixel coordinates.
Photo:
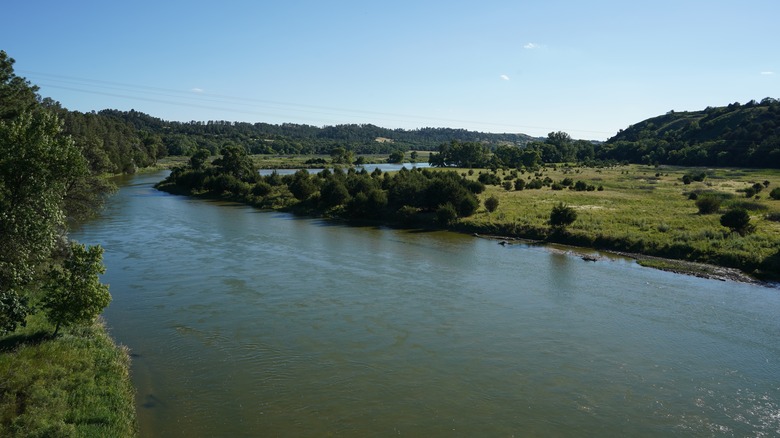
(252, 323)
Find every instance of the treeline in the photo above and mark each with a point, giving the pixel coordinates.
(558, 147)
(735, 135)
(407, 196)
(45, 178)
(184, 138)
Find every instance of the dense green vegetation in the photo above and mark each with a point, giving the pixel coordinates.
(736, 135)
(408, 196)
(45, 178)
(53, 164)
(644, 210)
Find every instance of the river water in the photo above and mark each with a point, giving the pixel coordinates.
(250, 323)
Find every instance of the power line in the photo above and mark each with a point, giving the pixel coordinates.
(257, 107)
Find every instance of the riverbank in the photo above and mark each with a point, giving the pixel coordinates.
(701, 270)
(638, 210)
(75, 384)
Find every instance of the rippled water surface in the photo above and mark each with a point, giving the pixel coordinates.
(249, 323)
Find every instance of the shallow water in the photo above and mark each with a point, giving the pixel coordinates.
(248, 323)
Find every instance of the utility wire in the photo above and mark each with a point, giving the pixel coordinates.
(257, 107)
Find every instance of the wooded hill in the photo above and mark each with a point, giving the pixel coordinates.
(735, 135)
(183, 138)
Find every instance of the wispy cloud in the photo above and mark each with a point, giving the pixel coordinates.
(767, 73)
(531, 46)
(505, 77)
(197, 90)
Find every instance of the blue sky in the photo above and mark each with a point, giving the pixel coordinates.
(588, 68)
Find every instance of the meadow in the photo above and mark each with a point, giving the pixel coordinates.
(643, 209)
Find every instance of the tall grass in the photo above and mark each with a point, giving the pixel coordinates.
(76, 384)
(663, 221)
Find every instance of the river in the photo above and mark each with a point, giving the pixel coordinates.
(250, 323)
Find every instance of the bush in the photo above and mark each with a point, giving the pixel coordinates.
(519, 184)
(775, 194)
(491, 204)
(737, 220)
(562, 215)
(708, 204)
(446, 214)
(489, 178)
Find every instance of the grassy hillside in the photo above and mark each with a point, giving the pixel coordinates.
(735, 135)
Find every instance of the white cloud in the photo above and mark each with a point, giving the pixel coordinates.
(505, 77)
(531, 46)
(197, 90)
(767, 73)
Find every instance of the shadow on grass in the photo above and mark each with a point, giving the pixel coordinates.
(13, 342)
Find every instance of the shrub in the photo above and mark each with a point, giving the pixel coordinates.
(519, 184)
(562, 215)
(446, 214)
(775, 194)
(491, 204)
(737, 220)
(508, 185)
(489, 178)
(708, 204)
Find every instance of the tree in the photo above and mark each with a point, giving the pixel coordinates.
(396, 157)
(737, 220)
(340, 155)
(236, 161)
(562, 215)
(17, 95)
(491, 204)
(446, 214)
(74, 294)
(302, 185)
(37, 167)
(199, 158)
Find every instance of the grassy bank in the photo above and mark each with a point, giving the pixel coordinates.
(76, 384)
(645, 210)
(631, 209)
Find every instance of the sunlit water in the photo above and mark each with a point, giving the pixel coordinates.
(249, 323)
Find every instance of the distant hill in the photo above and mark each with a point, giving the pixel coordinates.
(291, 138)
(735, 135)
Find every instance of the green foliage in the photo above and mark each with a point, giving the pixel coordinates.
(736, 135)
(76, 385)
(737, 220)
(446, 214)
(775, 193)
(562, 215)
(73, 293)
(302, 185)
(199, 159)
(489, 179)
(235, 161)
(396, 157)
(491, 204)
(455, 153)
(708, 204)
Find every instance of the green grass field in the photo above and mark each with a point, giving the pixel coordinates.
(76, 384)
(646, 210)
